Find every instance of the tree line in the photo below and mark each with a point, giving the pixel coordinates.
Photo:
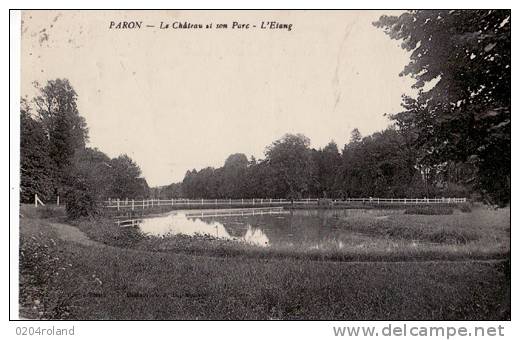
(54, 158)
(383, 164)
(453, 138)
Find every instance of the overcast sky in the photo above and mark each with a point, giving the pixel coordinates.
(174, 100)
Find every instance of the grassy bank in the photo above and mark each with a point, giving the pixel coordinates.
(66, 280)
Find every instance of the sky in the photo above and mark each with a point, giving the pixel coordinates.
(178, 99)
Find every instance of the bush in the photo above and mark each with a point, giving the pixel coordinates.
(46, 276)
(429, 210)
(80, 203)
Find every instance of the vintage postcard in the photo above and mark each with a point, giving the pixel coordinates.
(265, 165)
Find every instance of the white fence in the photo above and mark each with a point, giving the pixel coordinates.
(150, 203)
(38, 201)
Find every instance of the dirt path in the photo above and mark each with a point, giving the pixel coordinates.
(72, 234)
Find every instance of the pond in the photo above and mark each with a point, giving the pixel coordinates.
(270, 227)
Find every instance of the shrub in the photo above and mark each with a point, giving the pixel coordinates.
(80, 203)
(46, 276)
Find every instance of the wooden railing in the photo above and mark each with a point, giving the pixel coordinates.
(150, 203)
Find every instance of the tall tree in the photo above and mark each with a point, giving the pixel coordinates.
(461, 61)
(127, 181)
(260, 180)
(65, 129)
(379, 165)
(326, 163)
(290, 160)
(92, 167)
(355, 136)
(35, 166)
(188, 185)
(234, 176)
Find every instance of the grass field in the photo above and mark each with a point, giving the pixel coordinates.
(128, 276)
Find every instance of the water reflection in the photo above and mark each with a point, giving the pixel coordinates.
(317, 229)
(202, 223)
(256, 236)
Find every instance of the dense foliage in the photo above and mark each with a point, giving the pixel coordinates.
(36, 171)
(461, 61)
(54, 159)
(384, 164)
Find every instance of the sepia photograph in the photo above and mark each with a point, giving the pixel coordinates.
(264, 165)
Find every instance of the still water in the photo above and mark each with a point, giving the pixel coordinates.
(267, 227)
